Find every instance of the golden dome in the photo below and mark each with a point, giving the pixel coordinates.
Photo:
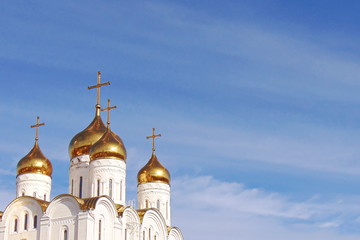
(82, 142)
(35, 162)
(153, 171)
(109, 145)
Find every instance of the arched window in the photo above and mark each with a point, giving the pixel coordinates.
(45, 197)
(22, 193)
(26, 221)
(65, 234)
(158, 204)
(15, 225)
(100, 229)
(125, 234)
(98, 187)
(149, 234)
(80, 187)
(146, 204)
(110, 188)
(35, 221)
(143, 235)
(34, 194)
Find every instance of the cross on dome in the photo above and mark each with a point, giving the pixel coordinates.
(153, 139)
(98, 86)
(37, 125)
(108, 111)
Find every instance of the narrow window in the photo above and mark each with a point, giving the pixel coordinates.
(45, 197)
(35, 221)
(98, 187)
(26, 222)
(23, 194)
(158, 204)
(15, 225)
(146, 204)
(110, 188)
(80, 187)
(72, 186)
(125, 234)
(149, 234)
(99, 229)
(65, 234)
(155, 237)
(143, 235)
(34, 194)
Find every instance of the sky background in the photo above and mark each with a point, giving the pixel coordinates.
(257, 103)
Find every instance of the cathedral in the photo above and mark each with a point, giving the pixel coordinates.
(95, 206)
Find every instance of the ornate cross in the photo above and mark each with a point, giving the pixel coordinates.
(37, 125)
(153, 139)
(108, 113)
(98, 86)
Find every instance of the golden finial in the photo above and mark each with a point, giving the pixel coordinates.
(98, 86)
(108, 111)
(153, 139)
(37, 125)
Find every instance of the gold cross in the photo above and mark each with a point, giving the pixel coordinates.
(98, 86)
(108, 109)
(37, 125)
(153, 139)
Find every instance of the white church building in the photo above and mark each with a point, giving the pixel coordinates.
(95, 206)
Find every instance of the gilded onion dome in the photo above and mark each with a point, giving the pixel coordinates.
(82, 142)
(109, 145)
(153, 171)
(35, 162)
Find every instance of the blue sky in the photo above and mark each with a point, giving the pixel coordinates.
(257, 101)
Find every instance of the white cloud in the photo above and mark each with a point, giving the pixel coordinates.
(206, 208)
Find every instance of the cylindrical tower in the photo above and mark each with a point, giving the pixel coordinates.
(108, 166)
(154, 186)
(79, 149)
(34, 173)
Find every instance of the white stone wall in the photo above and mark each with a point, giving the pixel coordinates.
(104, 171)
(79, 168)
(155, 195)
(34, 185)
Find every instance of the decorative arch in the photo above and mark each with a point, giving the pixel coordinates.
(131, 223)
(63, 205)
(154, 220)
(175, 234)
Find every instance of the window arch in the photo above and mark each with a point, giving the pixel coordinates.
(98, 187)
(100, 228)
(35, 221)
(26, 219)
(80, 187)
(16, 221)
(65, 234)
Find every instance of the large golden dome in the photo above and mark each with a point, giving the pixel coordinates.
(109, 145)
(35, 162)
(82, 142)
(153, 171)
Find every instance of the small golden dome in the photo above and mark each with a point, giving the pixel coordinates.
(109, 145)
(82, 142)
(35, 162)
(153, 171)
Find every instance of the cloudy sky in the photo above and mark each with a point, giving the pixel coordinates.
(258, 104)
